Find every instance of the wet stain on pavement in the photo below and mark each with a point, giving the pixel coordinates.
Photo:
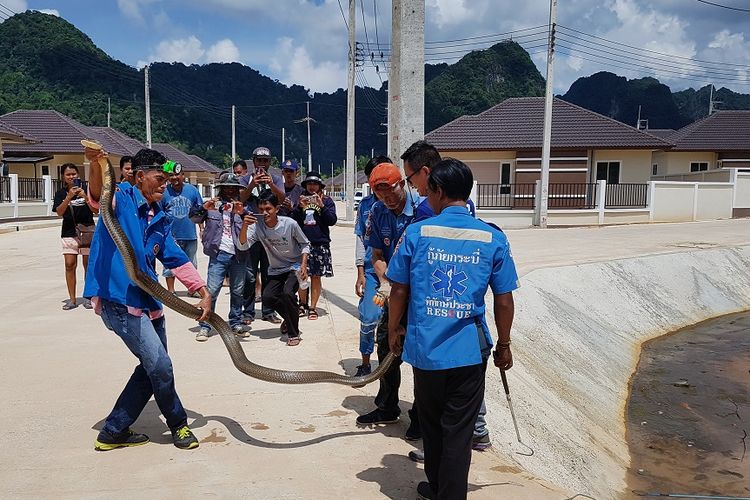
(259, 426)
(508, 469)
(214, 437)
(307, 428)
(337, 413)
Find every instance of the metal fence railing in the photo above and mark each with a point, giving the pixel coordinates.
(626, 196)
(572, 195)
(5, 189)
(30, 189)
(510, 196)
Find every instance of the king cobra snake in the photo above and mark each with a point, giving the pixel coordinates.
(234, 348)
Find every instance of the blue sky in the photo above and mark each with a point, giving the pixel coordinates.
(691, 43)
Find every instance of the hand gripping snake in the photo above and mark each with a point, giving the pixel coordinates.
(147, 284)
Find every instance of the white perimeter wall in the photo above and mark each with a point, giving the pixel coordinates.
(681, 201)
(576, 341)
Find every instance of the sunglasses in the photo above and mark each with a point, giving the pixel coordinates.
(408, 177)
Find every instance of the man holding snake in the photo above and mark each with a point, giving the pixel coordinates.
(134, 315)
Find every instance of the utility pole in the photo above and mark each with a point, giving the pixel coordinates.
(711, 103)
(283, 145)
(234, 130)
(351, 164)
(406, 76)
(309, 150)
(542, 202)
(109, 111)
(148, 108)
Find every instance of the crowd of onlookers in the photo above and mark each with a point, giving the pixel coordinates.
(285, 223)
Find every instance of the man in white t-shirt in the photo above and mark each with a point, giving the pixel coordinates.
(222, 217)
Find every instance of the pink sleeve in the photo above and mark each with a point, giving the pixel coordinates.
(95, 203)
(188, 276)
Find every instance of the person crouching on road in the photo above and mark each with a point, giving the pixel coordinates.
(222, 219)
(133, 314)
(288, 250)
(447, 340)
(315, 214)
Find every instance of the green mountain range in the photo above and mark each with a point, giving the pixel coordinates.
(619, 98)
(47, 63)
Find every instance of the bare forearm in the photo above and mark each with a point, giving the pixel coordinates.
(397, 305)
(95, 181)
(504, 310)
(379, 264)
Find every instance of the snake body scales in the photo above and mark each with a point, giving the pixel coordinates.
(233, 345)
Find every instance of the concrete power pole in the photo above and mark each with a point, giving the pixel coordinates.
(351, 164)
(234, 135)
(148, 108)
(542, 202)
(109, 111)
(309, 148)
(283, 145)
(406, 77)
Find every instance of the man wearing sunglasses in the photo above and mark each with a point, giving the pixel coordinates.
(388, 219)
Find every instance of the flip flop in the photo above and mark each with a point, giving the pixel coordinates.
(69, 305)
(303, 310)
(293, 341)
(313, 314)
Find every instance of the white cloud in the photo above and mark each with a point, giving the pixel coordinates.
(293, 65)
(185, 50)
(51, 12)
(451, 12)
(223, 51)
(190, 51)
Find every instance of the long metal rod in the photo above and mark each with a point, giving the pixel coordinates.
(513, 415)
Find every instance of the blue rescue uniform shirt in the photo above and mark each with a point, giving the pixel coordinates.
(361, 225)
(177, 206)
(106, 277)
(449, 261)
(386, 228)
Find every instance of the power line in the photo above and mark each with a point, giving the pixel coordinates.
(12, 12)
(671, 56)
(606, 62)
(375, 15)
(738, 9)
(343, 16)
(686, 67)
(364, 22)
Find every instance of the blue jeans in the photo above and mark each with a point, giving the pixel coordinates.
(480, 426)
(257, 262)
(190, 247)
(147, 340)
(369, 314)
(218, 267)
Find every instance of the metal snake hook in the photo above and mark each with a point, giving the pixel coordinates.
(513, 416)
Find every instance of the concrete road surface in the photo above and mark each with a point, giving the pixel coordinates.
(60, 372)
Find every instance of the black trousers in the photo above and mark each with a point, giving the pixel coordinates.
(257, 262)
(280, 293)
(387, 398)
(448, 403)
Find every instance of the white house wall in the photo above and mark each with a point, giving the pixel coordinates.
(678, 162)
(635, 164)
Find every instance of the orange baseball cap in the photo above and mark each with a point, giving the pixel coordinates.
(385, 173)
